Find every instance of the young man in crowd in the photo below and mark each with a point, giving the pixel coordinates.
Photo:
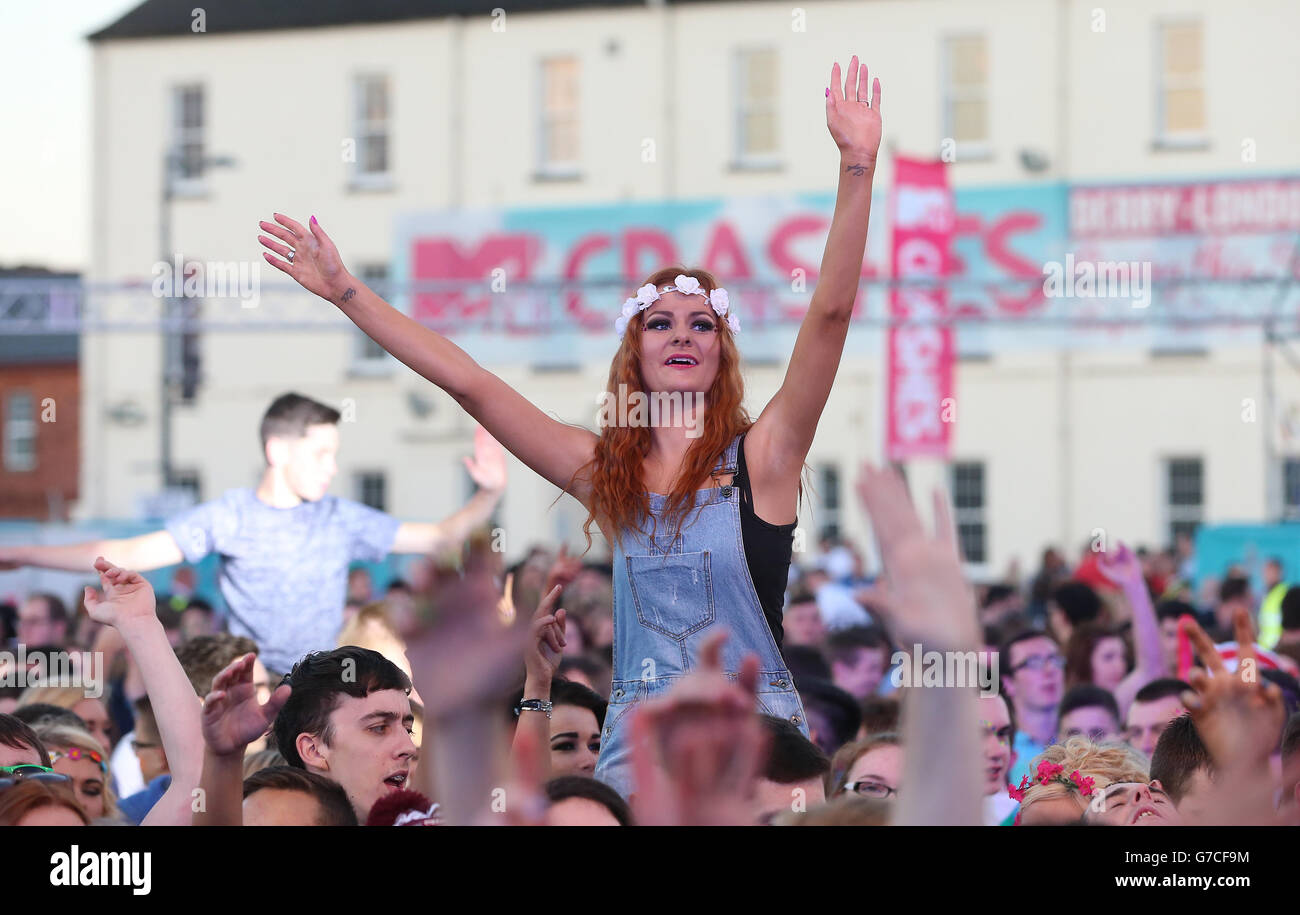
(793, 776)
(859, 658)
(1155, 705)
(998, 726)
(1168, 612)
(1182, 764)
(43, 620)
(285, 547)
(1033, 678)
(1090, 711)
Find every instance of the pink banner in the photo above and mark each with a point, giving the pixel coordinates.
(919, 388)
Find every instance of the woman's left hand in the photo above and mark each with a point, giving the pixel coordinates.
(854, 122)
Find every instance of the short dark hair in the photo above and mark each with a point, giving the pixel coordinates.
(1291, 608)
(1178, 754)
(335, 808)
(1174, 609)
(58, 610)
(290, 414)
(791, 757)
(596, 671)
(45, 713)
(880, 714)
(996, 592)
(805, 663)
(843, 645)
(15, 733)
(1234, 587)
(1077, 601)
(566, 786)
(146, 723)
(205, 656)
(1162, 688)
(1087, 695)
(841, 709)
(1015, 638)
(318, 682)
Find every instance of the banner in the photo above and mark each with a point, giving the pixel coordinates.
(919, 356)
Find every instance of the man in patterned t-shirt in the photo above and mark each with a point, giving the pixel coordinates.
(285, 547)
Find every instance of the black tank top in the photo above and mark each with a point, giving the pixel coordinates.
(768, 551)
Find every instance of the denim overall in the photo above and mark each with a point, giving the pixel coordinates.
(672, 590)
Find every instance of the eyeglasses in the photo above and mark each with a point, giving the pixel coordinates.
(1038, 662)
(870, 788)
(75, 753)
(12, 775)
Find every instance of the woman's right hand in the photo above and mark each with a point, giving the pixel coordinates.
(315, 264)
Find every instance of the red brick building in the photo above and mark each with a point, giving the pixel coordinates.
(40, 388)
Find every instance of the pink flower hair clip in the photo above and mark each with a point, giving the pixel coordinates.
(647, 295)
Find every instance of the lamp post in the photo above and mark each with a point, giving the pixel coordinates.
(172, 160)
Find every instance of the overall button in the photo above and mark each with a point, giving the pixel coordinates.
(618, 694)
(726, 492)
(780, 683)
(610, 731)
(794, 719)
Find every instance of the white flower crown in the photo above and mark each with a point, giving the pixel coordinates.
(647, 295)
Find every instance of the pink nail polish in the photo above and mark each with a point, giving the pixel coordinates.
(313, 220)
(828, 92)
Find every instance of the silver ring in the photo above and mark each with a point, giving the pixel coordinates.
(291, 254)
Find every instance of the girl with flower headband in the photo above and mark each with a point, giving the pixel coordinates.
(701, 528)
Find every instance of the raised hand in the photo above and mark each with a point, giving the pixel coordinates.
(546, 641)
(307, 255)
(488, 465)
(232, 716)
(563, 571)
(696, 752)
(1237, 713)
(1121, 566)
(929, 600)
(126, 596)
(854, 122)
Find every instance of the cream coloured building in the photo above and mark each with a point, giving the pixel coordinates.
(382, 128)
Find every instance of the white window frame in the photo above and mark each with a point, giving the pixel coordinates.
(974, 516)
(547, 168)
(1180, 513)
(364, 129)
(196, 185)
(359, 480)
(19, 430)
(967, 150)
(367, 357)
(743, 106)
(1185, 139)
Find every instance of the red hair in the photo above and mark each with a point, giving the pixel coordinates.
(618, 491)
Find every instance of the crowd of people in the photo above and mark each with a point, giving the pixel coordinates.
(1119, 698)
(697, 675)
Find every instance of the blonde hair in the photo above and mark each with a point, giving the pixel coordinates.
(65, 736)
(355, 630)
(63, 696)
(842, 811)
(1105, 763)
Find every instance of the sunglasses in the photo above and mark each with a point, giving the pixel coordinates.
(12, 775)
(78, 753)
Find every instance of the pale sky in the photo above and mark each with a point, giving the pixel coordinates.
(46, 158)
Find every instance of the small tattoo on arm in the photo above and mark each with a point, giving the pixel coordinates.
(349, 294)
(857, 170)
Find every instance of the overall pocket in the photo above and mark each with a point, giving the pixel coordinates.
(673, 593)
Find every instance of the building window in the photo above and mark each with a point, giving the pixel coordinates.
(828, 483)
(372, 488)
(367, 355)
(756, 101)
(188, 482)
(968, 502)
(1180, 83)
(188, 119)
(1291, 488)
(20, 432)
(370, 129)
(1184, 495)
(558, 147)
(966, 93)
